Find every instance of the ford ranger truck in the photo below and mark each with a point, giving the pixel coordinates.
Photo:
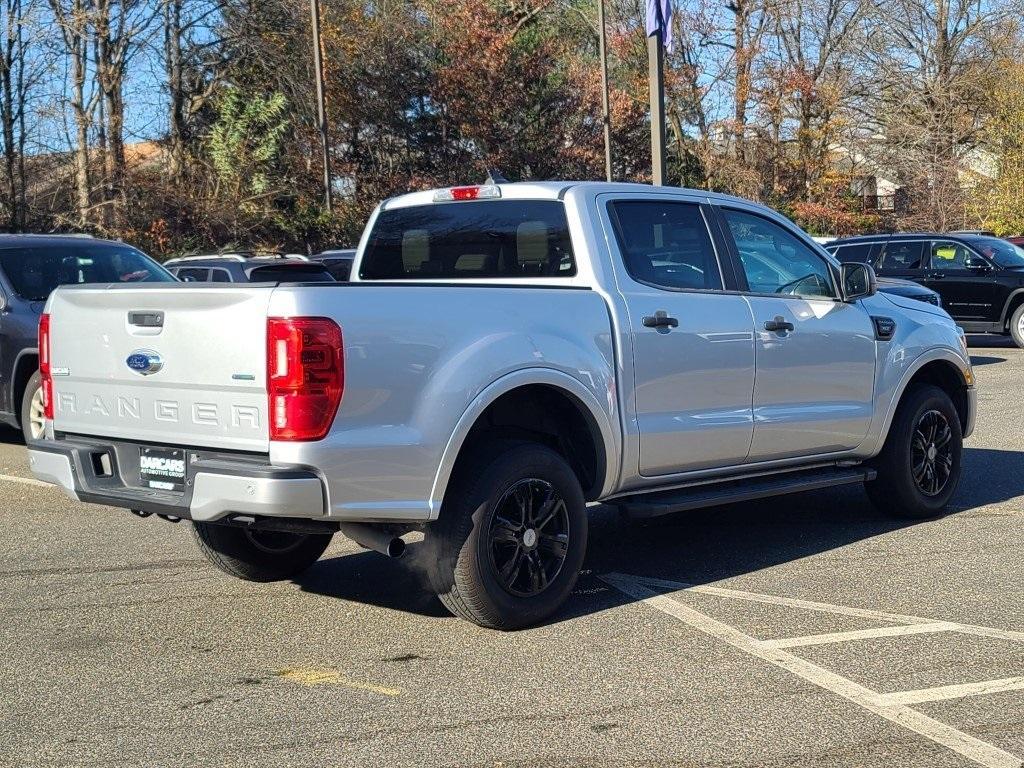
(503, 357)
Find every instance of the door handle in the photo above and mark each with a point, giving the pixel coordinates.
(937, 275)
(660, 319)
(778, 324)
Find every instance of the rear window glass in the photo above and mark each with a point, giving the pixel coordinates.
(35, 270)
(280, 273)
(198, 274)
(470, 240)
(666, 244)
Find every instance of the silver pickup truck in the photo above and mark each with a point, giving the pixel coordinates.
(504, 356)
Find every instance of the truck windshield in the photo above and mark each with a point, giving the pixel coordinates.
(470, 240)
(35, 270)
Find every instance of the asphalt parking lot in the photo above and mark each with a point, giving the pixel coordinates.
(721, 638)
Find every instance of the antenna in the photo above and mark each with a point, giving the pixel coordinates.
(494, 176)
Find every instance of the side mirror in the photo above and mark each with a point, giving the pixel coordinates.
(976, 262)
(858, 281)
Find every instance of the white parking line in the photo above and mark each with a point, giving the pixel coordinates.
(859, 634)
(973, 749)
(25, 481)
(946, 692)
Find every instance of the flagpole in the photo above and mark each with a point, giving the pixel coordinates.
(606, 118)
(656, 67)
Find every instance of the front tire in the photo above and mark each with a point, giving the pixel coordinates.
(1017, 326)
(33, 422)
(258, 555)
(919, 466)
(511, 538)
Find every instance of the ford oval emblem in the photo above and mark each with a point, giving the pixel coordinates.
(144, 362)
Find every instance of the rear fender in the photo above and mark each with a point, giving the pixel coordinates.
(610, 437)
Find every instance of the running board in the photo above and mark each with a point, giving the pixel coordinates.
(657, 503)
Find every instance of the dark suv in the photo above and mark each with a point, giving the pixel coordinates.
(31, 266)
(980, 278)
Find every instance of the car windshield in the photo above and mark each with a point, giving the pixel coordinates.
(35, 270)
(1003, 253)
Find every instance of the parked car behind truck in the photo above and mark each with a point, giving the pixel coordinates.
(980, 277)
(31, 266)
(505, 355)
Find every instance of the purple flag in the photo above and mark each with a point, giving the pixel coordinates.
(659, 21)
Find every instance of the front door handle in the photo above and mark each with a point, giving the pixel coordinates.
(660, 319)
(778, 324)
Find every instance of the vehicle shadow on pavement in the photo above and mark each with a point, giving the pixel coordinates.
(977, 360)
(697, 547)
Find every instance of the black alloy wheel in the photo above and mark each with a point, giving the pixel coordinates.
(529, 537)
(932, 453)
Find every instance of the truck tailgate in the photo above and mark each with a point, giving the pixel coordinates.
(173, 364)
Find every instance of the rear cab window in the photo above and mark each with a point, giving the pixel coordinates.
(469, 240)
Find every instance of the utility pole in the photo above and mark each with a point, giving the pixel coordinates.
(321, 105)
(655, 74)
(606, 118)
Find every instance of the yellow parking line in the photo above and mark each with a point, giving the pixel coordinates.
(25, 480)
(311, 676)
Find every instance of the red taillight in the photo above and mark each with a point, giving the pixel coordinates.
(44, 365)
(305, 376)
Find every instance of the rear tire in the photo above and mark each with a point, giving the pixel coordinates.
(511, 538)
(32, 420)
(259, 555)
(919, 466)
(1017, 326)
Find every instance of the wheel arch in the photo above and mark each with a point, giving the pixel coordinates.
(1014, 300)
(592, 446)
(25, 365)
(943, 369)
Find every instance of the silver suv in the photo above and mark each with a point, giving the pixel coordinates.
(503, 357)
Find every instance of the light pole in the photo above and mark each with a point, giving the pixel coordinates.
(321, 105)
(606, 118)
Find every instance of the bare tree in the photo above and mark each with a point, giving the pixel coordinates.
(73, 22)
(937, 61)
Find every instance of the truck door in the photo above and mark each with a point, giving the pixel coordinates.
(815, 354)
(692, 343)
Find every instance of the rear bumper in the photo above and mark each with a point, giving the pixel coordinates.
(217, 484)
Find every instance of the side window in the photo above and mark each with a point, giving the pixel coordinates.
(948, 255)
(901, 256)
(858, 253)
(666, 244)
(220, 276)
(777, 261)
(199, 274)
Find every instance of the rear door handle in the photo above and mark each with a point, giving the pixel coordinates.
(778, 324)
(937, 275)
(660, 319)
